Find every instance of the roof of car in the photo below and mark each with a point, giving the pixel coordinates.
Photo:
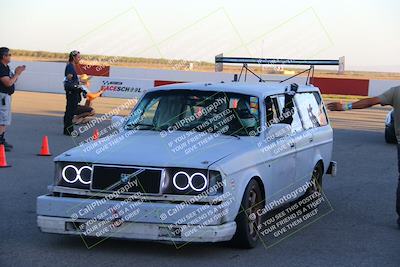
(256, 89)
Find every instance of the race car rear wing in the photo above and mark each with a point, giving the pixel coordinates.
(220, 60)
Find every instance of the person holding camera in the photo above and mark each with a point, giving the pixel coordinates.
(7, 88)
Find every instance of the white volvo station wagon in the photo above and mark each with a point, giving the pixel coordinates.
(194, 162)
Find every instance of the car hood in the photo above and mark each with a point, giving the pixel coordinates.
(149, 148)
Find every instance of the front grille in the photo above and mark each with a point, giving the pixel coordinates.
(112, 178)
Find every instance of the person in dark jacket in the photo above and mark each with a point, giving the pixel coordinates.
(72, 91)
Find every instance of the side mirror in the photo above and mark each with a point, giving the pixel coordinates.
(278, 130)
(117, 122)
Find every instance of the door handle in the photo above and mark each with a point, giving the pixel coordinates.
(292, 144)
(311, 139)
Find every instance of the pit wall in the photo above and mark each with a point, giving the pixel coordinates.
(123, 82)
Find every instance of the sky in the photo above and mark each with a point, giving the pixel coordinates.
(366, 32)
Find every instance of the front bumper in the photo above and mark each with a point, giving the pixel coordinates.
(132, 220)
(141, 231)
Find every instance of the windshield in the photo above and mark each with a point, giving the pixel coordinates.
(193, 110)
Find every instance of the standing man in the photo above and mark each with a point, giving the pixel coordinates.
(7, 88)
(72, 91)
(392, 98)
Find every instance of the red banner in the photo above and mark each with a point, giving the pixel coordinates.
(339, 86)
(94, 70)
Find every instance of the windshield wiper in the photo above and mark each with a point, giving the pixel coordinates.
(234, 135)
(136, 126)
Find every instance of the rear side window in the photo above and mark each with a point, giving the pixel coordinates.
(311, 109)
(323, 118)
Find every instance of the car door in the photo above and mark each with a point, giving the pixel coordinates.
(305, 141)
(323, 133)
(281, 164)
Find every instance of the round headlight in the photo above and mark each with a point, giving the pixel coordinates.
(198, 181)
(181, 180)
(85, 174)
(70, 174)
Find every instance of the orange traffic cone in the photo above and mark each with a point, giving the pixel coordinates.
(45, 150)
(96, 134)
(3, 160)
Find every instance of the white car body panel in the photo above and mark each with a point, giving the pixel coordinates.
(238, 159)
(155, 153)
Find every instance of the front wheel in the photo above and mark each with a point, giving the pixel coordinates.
(248, 220)
(316, 180)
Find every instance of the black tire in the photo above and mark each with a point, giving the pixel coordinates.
(246, 235)
(316, 179)
(390, 137)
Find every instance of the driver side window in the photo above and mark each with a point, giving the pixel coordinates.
(277, 112)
